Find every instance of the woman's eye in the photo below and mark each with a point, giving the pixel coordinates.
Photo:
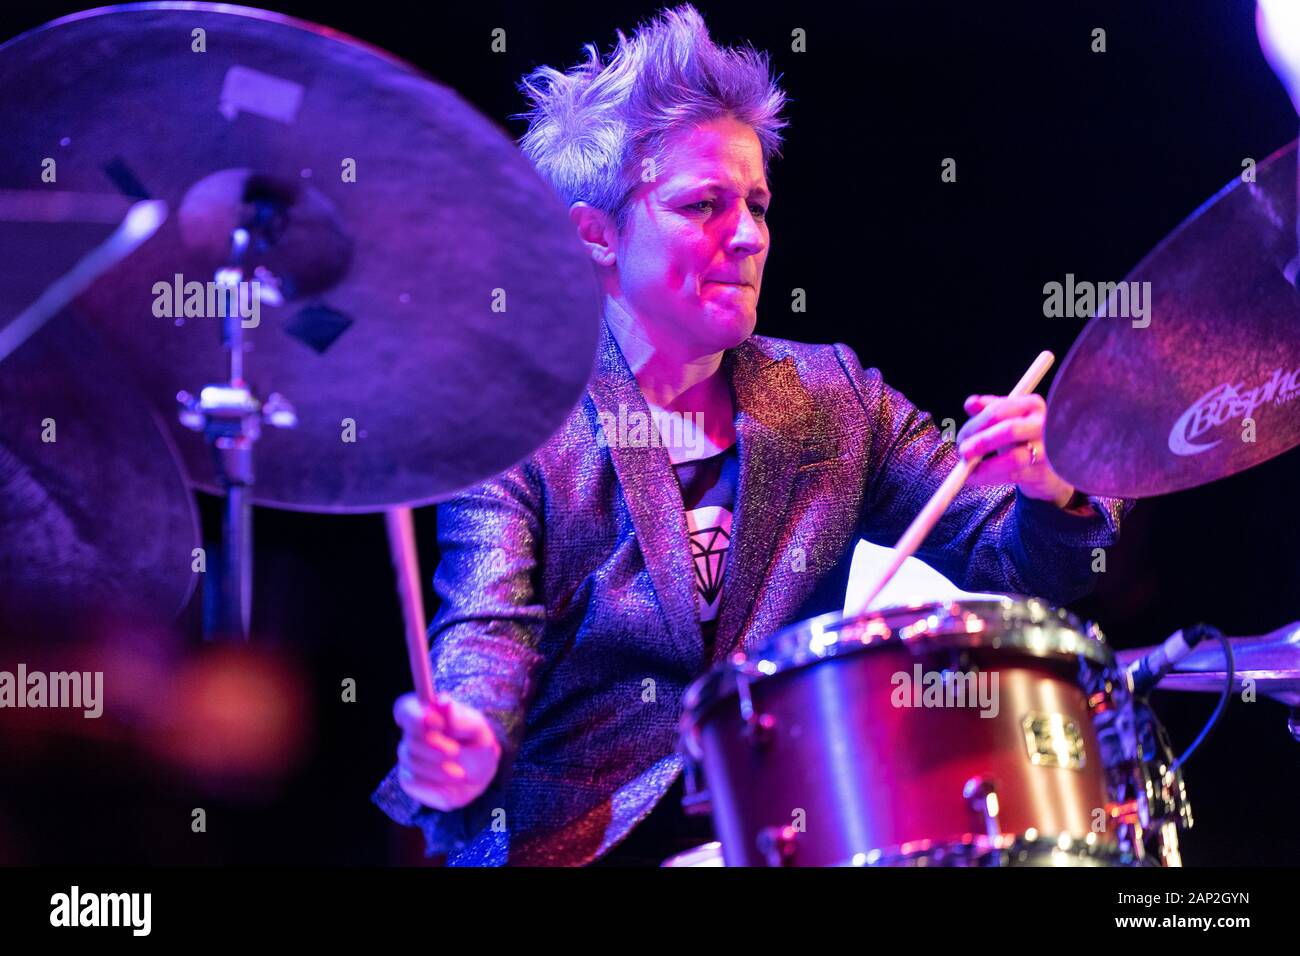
(758, 211)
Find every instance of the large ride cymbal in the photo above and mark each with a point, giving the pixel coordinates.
(438, 309)
(1136, 412)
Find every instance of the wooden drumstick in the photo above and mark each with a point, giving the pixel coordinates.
(922, 524)
(406, 567)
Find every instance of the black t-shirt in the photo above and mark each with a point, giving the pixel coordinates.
(708, 495)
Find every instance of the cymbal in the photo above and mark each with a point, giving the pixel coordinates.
(96, 521)
(1140, 411)
(1270, 661)
(439, 319)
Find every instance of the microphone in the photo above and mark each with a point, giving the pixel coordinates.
(1145, 672)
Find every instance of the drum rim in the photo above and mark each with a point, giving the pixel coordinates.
(761, 662)
(1007, 849)
(979, 849)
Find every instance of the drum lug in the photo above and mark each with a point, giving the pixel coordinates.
(777, 845)
(982, 796)
(758, 727)
(696, 800)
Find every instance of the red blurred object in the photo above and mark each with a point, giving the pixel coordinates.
(235, 713)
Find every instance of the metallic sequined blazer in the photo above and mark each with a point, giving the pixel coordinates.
(567, 585)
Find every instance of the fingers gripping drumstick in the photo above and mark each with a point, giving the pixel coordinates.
(922, 524)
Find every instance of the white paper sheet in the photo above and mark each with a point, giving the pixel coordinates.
(915, 583)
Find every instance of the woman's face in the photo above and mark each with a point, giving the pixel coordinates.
(690, 256)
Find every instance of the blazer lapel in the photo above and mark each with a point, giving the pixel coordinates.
(653, 499)
(770, 402)
(771, 406)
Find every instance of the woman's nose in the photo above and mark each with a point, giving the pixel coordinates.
(747, 236)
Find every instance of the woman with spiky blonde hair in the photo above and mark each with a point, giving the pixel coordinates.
(662, 156)
(583, 590)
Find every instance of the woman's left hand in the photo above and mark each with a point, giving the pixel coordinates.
(1011, 429)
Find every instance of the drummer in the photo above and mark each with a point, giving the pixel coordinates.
(583, 590)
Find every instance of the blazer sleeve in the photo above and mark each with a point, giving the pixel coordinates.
(484, 638)
(991, 538)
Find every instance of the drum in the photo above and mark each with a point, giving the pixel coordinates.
(984, 732)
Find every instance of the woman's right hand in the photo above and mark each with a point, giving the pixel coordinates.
(448, 754)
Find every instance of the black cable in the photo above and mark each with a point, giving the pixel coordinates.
(1223, 698)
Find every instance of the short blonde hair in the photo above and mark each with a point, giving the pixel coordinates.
(590, 129)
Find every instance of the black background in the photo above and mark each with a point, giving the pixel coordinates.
(1068, 161)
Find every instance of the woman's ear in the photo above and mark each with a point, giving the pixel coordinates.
(596, 230)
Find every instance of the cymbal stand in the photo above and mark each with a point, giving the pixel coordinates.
(230, 416)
